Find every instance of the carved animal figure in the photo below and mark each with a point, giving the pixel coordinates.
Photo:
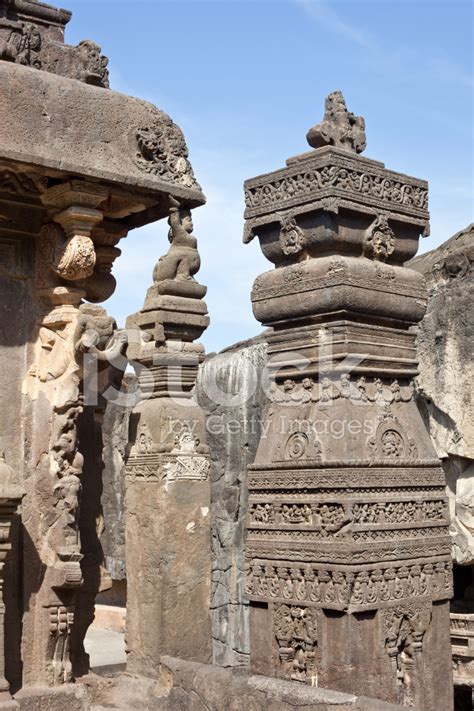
(182, 260)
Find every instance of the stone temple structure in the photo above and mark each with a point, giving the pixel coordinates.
(73, 183)
(304, 561)
(349, 570)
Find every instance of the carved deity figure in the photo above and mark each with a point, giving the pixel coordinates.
(339, 127)
(182, 260)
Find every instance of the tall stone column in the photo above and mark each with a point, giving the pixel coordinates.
(348, 554)
(168, 534)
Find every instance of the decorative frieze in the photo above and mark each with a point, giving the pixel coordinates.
(323, 515)
(336, 386)
(358, 475)
(348, 588)
(340, 175)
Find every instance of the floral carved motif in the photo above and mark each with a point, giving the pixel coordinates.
(70, 259)
(353, 181)
(162, 151)
(391, 441)
(292, 237)
(188, 464)
(379, 242)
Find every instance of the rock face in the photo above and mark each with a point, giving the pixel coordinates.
(230, 393)
(446, 352)
(115, 434)
(445, 347)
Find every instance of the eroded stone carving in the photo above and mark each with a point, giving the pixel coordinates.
(296, 631)
(187, 464)
(404, 630)
(70, 259)
(182, 260)
(22, 45)
(339, 127)
(355, 589)
(379, 239)
(390, 439)
(291, 236)
(91, 64)
(162, 151)
(28, 40)
(328, 389)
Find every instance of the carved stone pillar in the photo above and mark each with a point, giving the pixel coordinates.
(79, 167)
(349, 571)
(67, 330)
(168, 490)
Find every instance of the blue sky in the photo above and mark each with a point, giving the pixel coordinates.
(245, 79)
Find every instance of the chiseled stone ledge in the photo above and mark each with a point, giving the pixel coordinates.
(188, 686)
(197, 686)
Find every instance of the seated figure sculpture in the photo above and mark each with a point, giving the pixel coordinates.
(182, 260)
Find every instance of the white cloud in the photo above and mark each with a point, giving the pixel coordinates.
(326, 16)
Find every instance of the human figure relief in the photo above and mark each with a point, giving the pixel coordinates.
(182, 260)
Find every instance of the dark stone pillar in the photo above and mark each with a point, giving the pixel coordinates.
(348, 553)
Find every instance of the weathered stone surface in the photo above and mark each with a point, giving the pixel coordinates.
(32, 34)
(347, 527)
(213, 688)
(233, 432)
(167, 469)
(115, 434)
(36, 698)
(446, 351)
(197, 687)
(35, 115)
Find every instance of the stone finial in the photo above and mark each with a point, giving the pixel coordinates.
(339, 127)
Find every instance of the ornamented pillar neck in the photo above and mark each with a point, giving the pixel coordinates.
(77, 248)
(347, 538)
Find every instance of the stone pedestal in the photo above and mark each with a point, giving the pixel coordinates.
(168, 490)
(348, 553)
